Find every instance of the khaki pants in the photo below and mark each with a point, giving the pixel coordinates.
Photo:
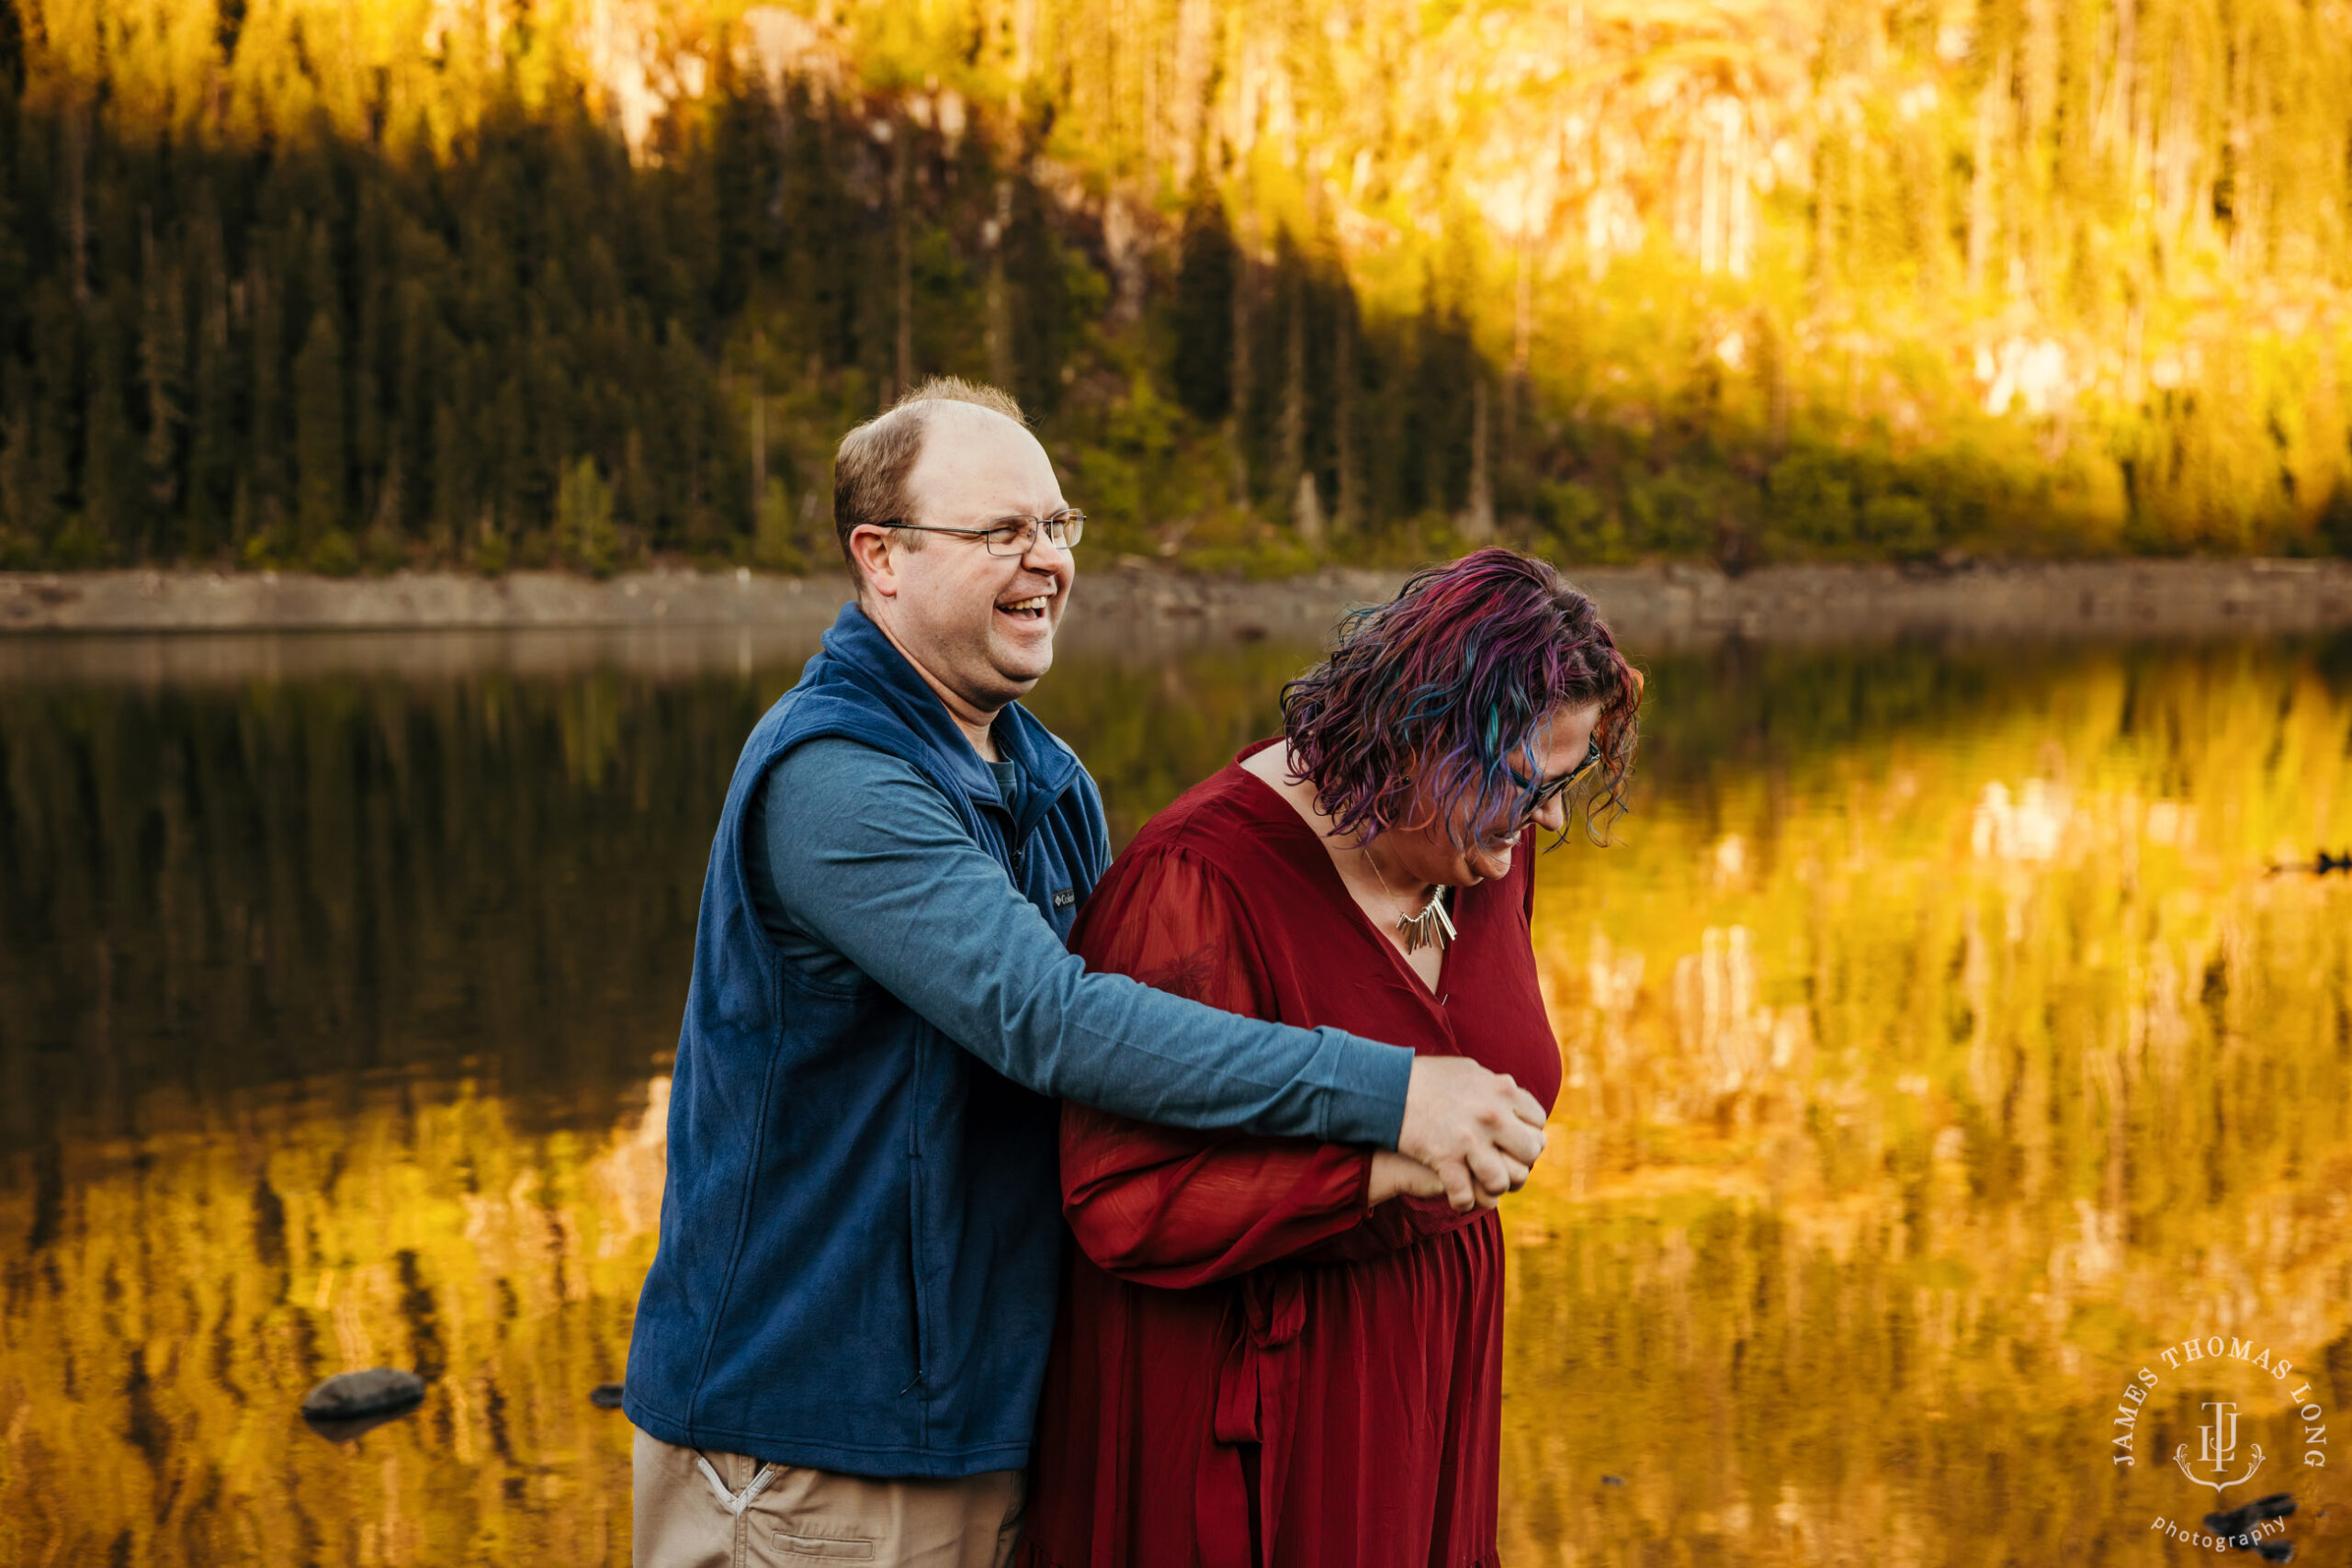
(714, 1510)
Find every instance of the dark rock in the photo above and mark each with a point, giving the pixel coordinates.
(1612, 1481)
(351, 1402)
(349, 1395)
(2234, 1525)
(343, 1431)
(605, 1396)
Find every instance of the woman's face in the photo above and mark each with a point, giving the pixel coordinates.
(1428, 855)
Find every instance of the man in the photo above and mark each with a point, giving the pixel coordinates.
(838, 1351)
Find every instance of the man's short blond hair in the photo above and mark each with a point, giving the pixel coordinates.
(873, 463)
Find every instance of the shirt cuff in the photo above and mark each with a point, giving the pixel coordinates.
(1368, 1092)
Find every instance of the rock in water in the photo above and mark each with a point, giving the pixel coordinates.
(348, 1394)
(351, 1402)
(2261, 1511)
(605, 1396)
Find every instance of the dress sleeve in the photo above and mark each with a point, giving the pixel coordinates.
(1394, 1226)
(1176, 1208)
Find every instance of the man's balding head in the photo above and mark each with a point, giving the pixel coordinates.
(977, 623)
(876, 460)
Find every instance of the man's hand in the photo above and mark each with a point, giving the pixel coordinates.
(1479, 1130)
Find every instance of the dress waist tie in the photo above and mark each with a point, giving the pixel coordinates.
(1257, 1402)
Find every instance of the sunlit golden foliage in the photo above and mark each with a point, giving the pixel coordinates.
(1811, 277)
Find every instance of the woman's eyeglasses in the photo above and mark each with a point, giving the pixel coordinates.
(1013, 535)
(1546, 793)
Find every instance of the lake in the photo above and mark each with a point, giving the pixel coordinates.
(1959, 1089)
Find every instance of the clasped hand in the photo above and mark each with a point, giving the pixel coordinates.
(1469, 1135)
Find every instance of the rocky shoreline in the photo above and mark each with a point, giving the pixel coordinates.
(1658, 606)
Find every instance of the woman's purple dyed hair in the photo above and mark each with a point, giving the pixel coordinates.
(1443, 692)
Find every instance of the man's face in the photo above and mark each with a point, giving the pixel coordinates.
(979, 625)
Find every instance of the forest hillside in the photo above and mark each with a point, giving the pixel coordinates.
(356, 284)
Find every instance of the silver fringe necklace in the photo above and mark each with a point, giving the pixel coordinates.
(1431, 926)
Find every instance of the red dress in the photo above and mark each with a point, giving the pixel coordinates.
(1252, 1365)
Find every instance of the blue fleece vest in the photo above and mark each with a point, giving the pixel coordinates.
(860, 1237)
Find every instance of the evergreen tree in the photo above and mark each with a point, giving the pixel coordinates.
(113, 512)
(262, 478)
(322, 493)
(162, 373)
(1200, 315)
(213, 396)
(45, 429)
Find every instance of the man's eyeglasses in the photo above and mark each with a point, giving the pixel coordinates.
(1013, 535)
(1545, 795)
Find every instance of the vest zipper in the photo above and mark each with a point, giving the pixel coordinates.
(1019, 847)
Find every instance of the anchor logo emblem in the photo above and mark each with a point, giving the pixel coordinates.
(2220, 1446)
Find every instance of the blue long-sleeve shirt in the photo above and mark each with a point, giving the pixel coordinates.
(859, 866)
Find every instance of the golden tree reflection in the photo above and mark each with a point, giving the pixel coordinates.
(183, 1291)
(1940, 1041)
(1918, 1089)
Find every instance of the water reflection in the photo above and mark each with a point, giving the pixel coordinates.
(178, 1292)
(1929, 1069)
(1939, 1045)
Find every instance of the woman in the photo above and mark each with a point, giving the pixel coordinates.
(1278, 1352)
